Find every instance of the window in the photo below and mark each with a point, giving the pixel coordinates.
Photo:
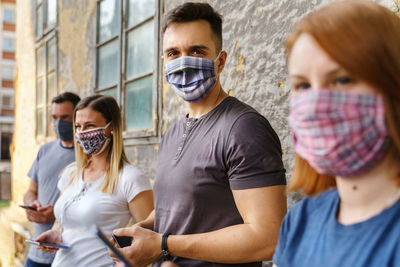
(9, 16)
(5, 145)
(8, 101)
(46, 63)
(46, 85)
(8, 45)
(46, 16)
(7, 73)
(127, 61)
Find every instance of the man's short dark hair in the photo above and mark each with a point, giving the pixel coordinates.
(67, 96)
(189, 12)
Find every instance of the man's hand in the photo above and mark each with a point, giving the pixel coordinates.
(145, 248)
(41, 214)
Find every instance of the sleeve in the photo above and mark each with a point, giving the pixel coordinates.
(34, 170)
(280, 248)
(64, 176)
(133, 182)
(254, 154)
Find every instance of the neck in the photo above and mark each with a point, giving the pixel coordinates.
(100, 162)
(67, 143)
(367, 195)
(213, 99)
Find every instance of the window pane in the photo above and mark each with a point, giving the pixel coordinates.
(51, 55)
(109, 19)
(139, 10)
(7, 73)
(6, 101)
(51, 87)
(40, 92)
(51, 13)
(9, 16)
(140, 50)
(108, 65)
(111, 92)
(39, 21)
(40, 61)
(39, 121)
(138, 107)
(8, 45)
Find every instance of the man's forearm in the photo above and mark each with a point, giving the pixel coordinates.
(29, 197)
(148, 223)
(235, 244)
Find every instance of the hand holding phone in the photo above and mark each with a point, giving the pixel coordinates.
(47, 245)
(28, 207)
(122, 241)
(116, 252)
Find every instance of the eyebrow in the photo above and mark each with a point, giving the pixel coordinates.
(329, 73)
(190, 48)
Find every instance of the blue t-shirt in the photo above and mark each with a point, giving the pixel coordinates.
(311, 236)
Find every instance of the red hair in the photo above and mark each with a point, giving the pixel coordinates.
(363, 38)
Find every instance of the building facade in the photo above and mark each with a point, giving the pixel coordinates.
(113, 47)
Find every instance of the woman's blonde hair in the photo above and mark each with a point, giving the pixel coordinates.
(109, 109)
(363, 38)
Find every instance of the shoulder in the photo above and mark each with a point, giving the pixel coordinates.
(232, 108)
(130, 171)
(319, 204)
(49, 145)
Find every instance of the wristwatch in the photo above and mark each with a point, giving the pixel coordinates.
(164, 249)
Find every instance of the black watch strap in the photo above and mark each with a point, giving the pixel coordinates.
(164, 249)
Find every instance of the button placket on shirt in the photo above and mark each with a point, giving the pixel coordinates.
(188, 127)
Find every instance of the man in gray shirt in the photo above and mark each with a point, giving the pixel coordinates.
(52, 158)
(219, 190)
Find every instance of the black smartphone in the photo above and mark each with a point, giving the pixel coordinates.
(122, 241)
(46, 245)
(28, 207)
(116, 252)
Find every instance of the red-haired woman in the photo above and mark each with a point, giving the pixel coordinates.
(344, 67)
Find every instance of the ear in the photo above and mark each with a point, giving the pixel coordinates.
(221, 61)
(162, 58)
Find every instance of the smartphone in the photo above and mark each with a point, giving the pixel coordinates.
(46, 245)
(116, 252)
(122, 241)
(28, 207)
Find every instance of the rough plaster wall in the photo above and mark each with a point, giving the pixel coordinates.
(76, 46)
(254, 32)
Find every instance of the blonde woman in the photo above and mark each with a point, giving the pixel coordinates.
(101, 188)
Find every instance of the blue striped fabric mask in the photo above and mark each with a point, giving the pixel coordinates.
(191, 77)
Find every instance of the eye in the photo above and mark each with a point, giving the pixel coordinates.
(197, 51)
(172, 53)
(343, 80)
(301, 86)
(77, 126)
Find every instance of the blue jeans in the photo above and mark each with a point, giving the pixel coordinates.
(31, 263)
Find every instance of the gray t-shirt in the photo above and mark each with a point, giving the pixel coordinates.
(202, 160)
(51, 159)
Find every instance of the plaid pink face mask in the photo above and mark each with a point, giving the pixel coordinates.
(338, 133)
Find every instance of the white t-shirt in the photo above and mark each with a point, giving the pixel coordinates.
(82, 205)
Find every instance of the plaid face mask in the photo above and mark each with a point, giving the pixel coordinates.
(191, 77)
(93, 141)
(338, 133)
